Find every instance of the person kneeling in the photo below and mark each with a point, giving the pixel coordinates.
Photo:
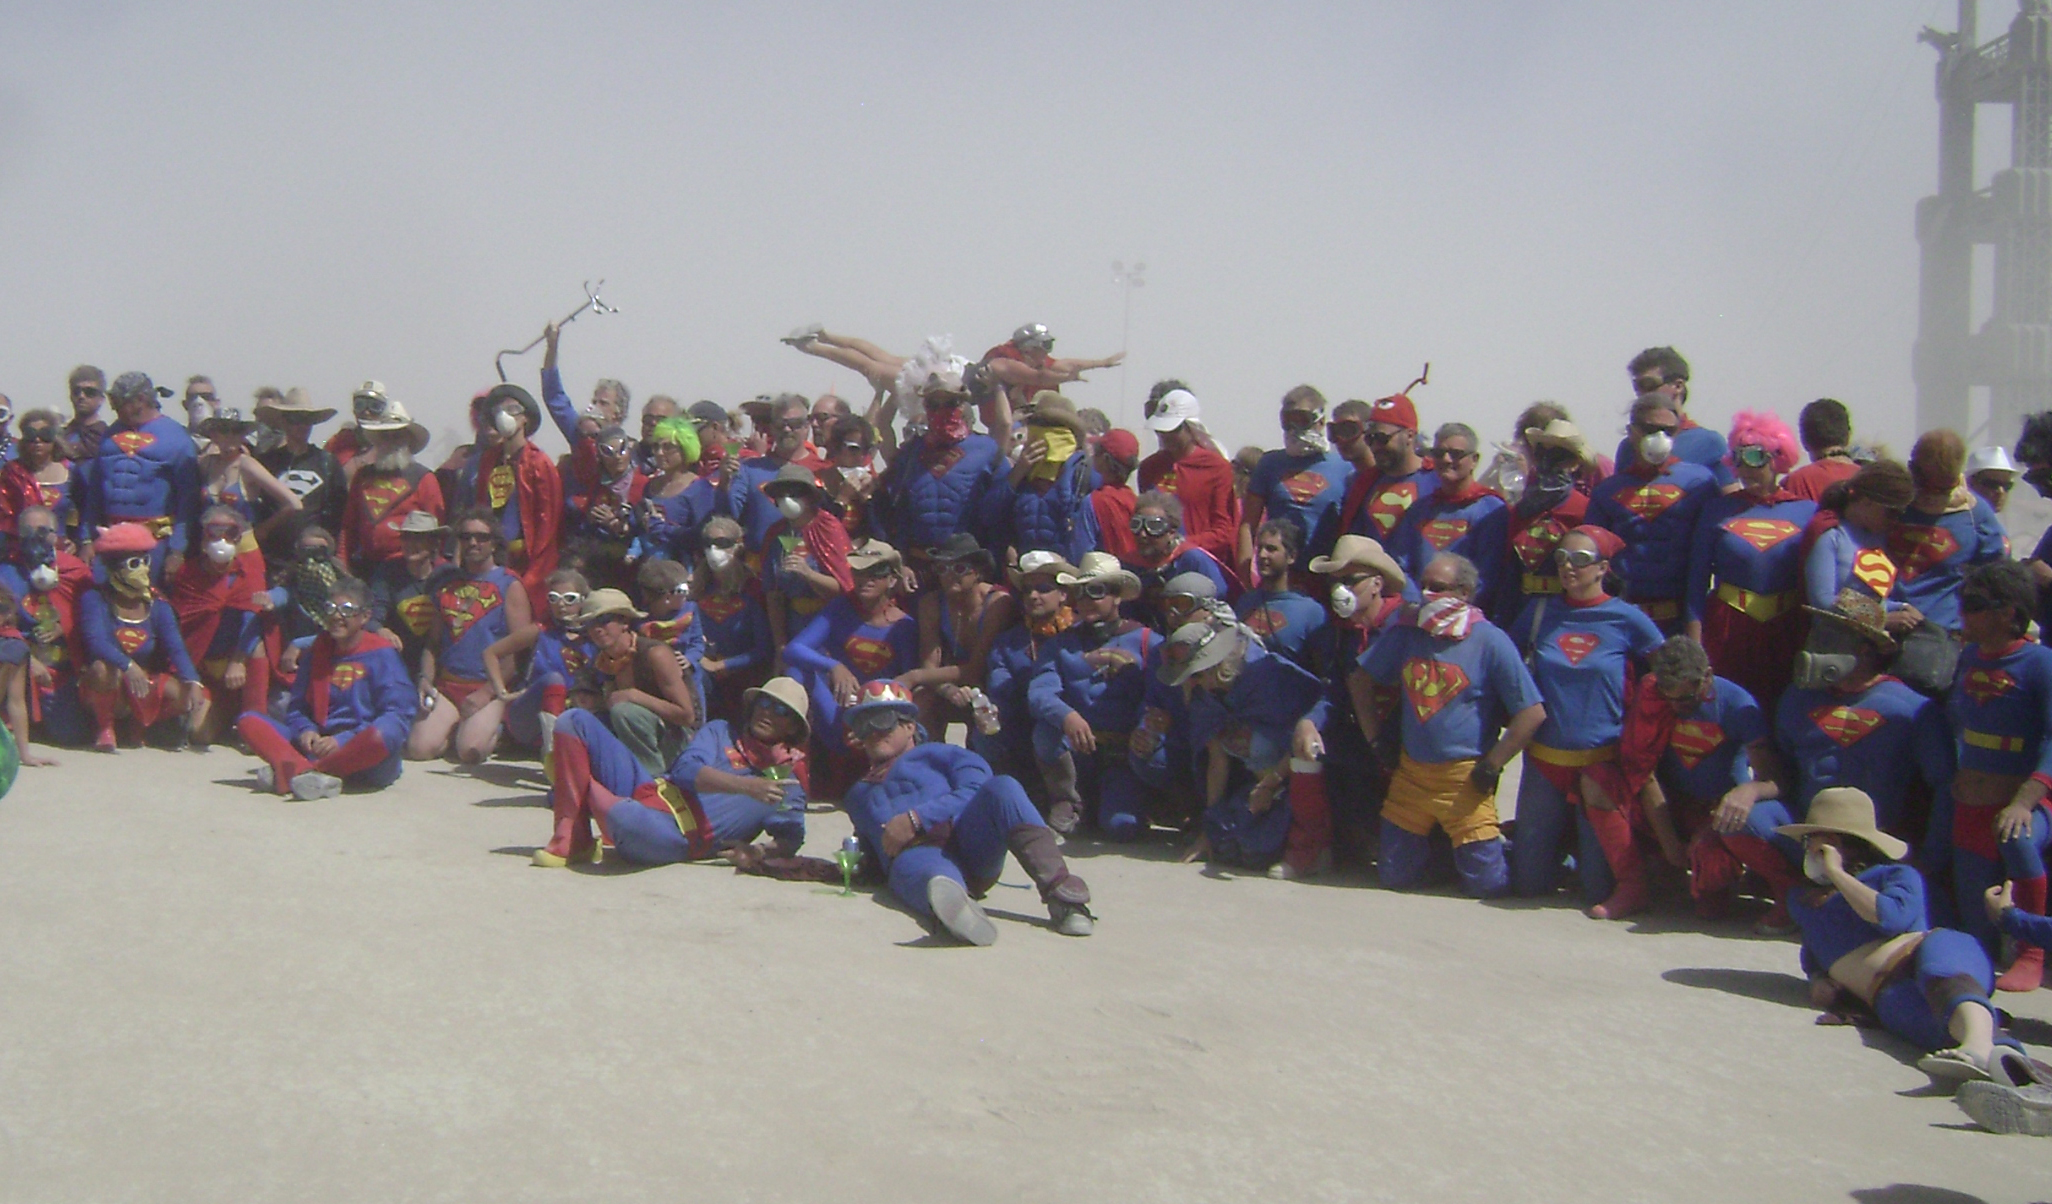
(728, 786)
(352, 705)
(939, 823)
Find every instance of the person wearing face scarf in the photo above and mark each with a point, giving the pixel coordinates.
(605, 509)
(518, 484)
(48, 582)
(1744, 598)
(1652, 505)
(36, 476)
(138, 668)
(935, 485)
(220, 597)
(849, 477)
(1461, 515)
(1553, 502)
(1867, 944)
(1304, 482)
(1945, 531)
(1043, 503)
(147, 472)
(805, 553)
(1841, 723)
(2000, 707)
(349, 715)
(1468, 706)
(1376, 500)
(1085, 699)
(731, 613)
(1580, 647)
(860, 636)
(1698, 740)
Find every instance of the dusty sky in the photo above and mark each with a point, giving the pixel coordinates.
(1523, 194)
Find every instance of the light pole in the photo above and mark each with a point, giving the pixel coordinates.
(1127, 279)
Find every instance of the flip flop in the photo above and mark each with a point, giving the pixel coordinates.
(2014, 1068)
(1952, 1066)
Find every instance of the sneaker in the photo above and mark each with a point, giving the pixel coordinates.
(309, 786)
(958, 913)
(2001, 1109)
(556, 861)
(264, 781)
(1283, 871)
(1072, 919)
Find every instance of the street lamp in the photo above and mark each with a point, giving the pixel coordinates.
(1127, 279)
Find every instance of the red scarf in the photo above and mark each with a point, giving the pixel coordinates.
(946, 427)
(759, 756)
(198, 595)
(1473, 491)
(827, 539)
(321, 667)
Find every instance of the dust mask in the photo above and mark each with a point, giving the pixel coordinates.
(1343, 602)
(220, 551)
(1813, 867)
(1308, 441)
(790, 507)
(719, 558)
(43, 578)
(508, 423)
(1656, 447)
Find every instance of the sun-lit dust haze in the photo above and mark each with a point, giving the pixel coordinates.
(1522, 194)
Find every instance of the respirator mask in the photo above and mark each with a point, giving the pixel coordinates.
(1830, 655)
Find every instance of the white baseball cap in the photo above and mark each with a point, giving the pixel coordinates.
(1176, 407)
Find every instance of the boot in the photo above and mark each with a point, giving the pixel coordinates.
(2027, 972)
(572, 840)
(1067, 896)
(1307, 850)
(1064, 801)
(102, 704)
(1614, 833)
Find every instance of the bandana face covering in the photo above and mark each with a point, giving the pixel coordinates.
(1309, 441)
(946, 426)
(1446, 616)
(1545, 491)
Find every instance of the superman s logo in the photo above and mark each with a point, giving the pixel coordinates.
(1651, 500)
(1763, 533)
(1873, 568)
(1430, 685)
(131, 639)
(1846, 726)
(1695, 739)
(867, 656)
(132, 443)
(1305, 486)
(1923, 548)
(1443, 533)
(1986, 685)
(1575, 645)
(345, 675)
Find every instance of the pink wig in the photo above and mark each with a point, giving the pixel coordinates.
(1761, 428)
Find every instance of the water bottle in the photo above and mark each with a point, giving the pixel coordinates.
(984, 711)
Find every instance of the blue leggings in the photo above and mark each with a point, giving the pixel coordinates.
(1111, 791)
(1241, 838)
(1972, 874)
(1546, 821)
(1952, 969)
(1406, 857)
(974, 854)
(649, 835)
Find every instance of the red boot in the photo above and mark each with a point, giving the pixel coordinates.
(1614, 833)
(101, 703)
(2027, 972)
(572, 841)
(1307, 850)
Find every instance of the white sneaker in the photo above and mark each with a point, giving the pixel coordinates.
(264, 781)
(310, 785)
(958, 913)
(1283, 871)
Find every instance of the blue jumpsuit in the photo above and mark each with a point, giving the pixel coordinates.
(967, 814)
(2000, 708)
(1255, 719)
(1655, 513)
(1109, 699)
(150, 475)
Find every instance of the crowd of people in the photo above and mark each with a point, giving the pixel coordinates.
(1766, 664)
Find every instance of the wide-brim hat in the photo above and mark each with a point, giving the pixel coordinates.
(1050, 408)
(961, 546)
(227, 425)
(794, 479)
(1990, 459)
(1366, 552)
(295, 406)
(1859, 612)
(1846, 811)
(529, 408)
(1195, 647)
(420, 522)
(1105, 567)
(605, 603)
(787, 691)
(384, 414)
(1035, 563)
(872, 552)
(1562, 434)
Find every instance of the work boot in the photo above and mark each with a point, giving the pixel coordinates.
(1067, 896)
(1627, 865)
(957, 913)
(2027, 972)
(1064, 801)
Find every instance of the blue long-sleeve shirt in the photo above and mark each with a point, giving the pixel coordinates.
(154, 642)
(367, 687)
(144, 473)
(1741, 542)
(933, 781)
(1064, 682)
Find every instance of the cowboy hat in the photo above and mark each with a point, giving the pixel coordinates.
(1562, 434)
(420, 522)
(1845, 811)
(377, 412)
(607, 603)
(1861, 613)
(1033, 564)
(529, 408)
(1050, 408)
(229, 424)
(1105, 567)
(872, 552)
(787, 692)
(794, 478)
(296, 406)
(961, 546)
(1363, 551)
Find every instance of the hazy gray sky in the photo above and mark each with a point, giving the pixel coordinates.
(1524, 194)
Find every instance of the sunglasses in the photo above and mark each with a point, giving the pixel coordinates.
(1344, 430)
(475, 537)
(853, 447)
(208, 397)
(1151, 525)
(1648, 429)
(871, 724)
(1752, 455)
(1378, 438)
(1995, 484)
(1576, 558)
(1041, 587)
(681, 590)
(1358, 579)
(565, 598)
(1451, 454)
(87, 391)
(220, 532)
(1649, 382)
(723, 544)
(876, 572)
(38, 434)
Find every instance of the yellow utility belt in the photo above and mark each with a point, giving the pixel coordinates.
(1572, 758)
(1761, 608)
(1993, 742)
(1537, 583)
(1660, 610)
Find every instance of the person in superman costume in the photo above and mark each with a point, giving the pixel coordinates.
(1652, 505)
(48, 582)
(519, 484)
(146, 472)
(1302, 483)
(731, 617)
(1189, 467)
(2000, 708)
(1377, 500)
(1660, 374)
(1286, 620)
(861, 636)
(935, 485)
(137, 666)
(220, 597)
(1744, 601)
(352, 705)
(1554, 501)
(1461, 515)
(1946, 531)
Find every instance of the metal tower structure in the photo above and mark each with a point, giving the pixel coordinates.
(2012, 352)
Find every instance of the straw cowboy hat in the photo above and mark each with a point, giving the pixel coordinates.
(1105, 567)
(872, 552)
(295, 407)
(1562, 434)
(1861, 613)
(1847, 812)
(1033, 564)
(606, 604)
(377, 412)
(1050, 408)
(1360, 550)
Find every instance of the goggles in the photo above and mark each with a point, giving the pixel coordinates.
(1752, 455)
(1093, 590)
(565, 598)
(869, 724)
(346, 610)
(134, 564)
(38, 434)
(1154, 526)
(1576, 558)
(1345, 428)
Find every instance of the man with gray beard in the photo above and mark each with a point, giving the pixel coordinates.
(388, 486)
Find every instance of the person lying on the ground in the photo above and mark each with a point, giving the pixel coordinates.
(733, 783)
(939, 824)
(352, 705)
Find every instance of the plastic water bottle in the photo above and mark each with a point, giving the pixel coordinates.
(984, 711)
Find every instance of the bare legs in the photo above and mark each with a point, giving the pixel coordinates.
(877, 366)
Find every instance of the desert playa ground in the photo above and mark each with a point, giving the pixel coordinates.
(209, 994)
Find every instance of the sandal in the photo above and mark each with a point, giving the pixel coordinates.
(1953, 1065)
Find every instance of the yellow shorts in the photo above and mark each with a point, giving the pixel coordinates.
(1421, 796)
